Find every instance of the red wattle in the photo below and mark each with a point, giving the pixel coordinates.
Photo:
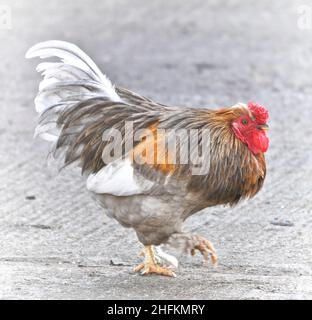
(258, 142)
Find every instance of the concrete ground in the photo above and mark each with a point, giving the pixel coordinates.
(55, 243)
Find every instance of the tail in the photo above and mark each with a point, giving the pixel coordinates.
(75, 78)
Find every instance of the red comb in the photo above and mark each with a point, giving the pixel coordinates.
(259, 112)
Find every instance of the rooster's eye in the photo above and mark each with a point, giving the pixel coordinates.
(244, 122)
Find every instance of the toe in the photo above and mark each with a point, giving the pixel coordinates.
(207, 250)
(139, 267)
(158, 270)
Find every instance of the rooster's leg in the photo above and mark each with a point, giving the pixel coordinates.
(150, 264)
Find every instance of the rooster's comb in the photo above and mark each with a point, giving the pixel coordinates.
(259, 112)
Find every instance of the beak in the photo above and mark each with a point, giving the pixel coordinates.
(263, 127)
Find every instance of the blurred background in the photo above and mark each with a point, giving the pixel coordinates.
(55, 242)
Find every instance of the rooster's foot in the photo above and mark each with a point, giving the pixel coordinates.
(206, 248)
(150, 265)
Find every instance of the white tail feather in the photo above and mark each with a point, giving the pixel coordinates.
(76, 78)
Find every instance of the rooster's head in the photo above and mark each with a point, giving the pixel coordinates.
(251, 128)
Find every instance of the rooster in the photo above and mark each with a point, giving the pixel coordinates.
(78, 106)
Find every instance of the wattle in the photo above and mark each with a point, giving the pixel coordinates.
(258, 142)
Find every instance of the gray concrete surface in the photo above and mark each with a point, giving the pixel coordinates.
(201, 53)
